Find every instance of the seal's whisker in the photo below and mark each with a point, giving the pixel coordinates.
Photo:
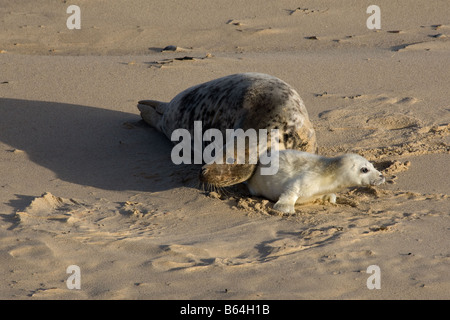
(225, 192)
(220, 190)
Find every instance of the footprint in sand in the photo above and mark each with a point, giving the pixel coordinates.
(178, 257)
(305, 11)
(290, 243)
(395, 121)
(436, 44)
(163, 63)
(35, 250)
(365, 113)
(244, 28)
(99, 221)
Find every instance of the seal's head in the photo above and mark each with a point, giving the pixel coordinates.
(358, 171)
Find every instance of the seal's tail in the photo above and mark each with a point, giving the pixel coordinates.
(151, 112)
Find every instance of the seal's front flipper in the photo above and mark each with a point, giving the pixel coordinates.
(284, 207)
(151, 112)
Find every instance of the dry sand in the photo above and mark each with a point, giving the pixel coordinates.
(84, 182)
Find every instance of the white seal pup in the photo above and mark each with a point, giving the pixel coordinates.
(303, 177)
(238, 101)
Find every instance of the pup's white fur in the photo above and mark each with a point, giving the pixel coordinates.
(303, 177)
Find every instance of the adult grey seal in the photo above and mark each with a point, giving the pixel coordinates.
(303, 177)
(245, 101)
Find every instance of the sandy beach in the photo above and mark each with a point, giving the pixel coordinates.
(85, 182)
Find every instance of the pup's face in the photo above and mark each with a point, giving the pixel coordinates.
(364, 173)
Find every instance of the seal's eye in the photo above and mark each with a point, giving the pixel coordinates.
(364, 170)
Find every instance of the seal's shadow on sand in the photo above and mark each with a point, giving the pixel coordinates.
(90, 146)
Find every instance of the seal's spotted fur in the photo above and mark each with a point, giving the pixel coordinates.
(245, 100)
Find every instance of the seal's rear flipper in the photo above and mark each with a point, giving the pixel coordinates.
(151, 112)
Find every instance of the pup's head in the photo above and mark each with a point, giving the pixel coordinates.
(358, 171)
